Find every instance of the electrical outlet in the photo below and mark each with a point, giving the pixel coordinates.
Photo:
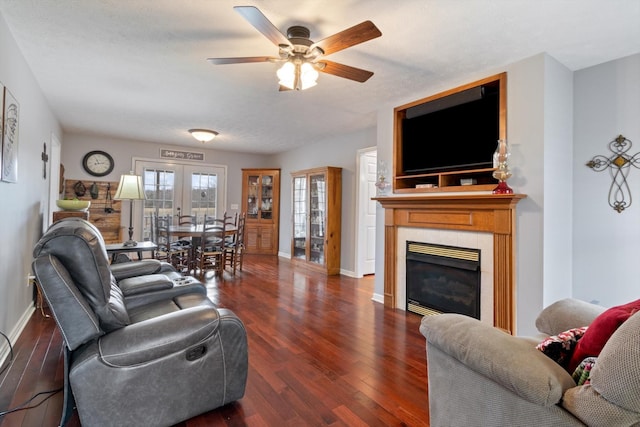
(234, 206)
(31, 279)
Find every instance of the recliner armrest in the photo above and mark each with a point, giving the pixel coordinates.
(158, 337)
(567, 314)
(144, 284)
(509, 361)
(135, 268)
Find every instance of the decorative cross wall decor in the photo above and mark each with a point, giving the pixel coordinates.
(45, 159)
(618, 164)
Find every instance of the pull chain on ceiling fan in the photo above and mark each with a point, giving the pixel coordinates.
(302, 57)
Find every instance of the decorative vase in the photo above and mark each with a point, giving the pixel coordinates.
(502, 172)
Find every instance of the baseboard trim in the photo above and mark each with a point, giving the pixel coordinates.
(378, 298)
(15, 333)
(349, 273)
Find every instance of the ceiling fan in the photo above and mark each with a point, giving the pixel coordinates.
(302, 57)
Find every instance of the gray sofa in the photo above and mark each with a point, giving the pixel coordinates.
(481, 376)
(144, 345)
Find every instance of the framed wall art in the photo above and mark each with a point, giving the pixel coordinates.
(10, 119)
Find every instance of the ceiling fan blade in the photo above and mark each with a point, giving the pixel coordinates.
(283, 89)
(262, 24)
(357, 34)
(344, 71)
(241, 60)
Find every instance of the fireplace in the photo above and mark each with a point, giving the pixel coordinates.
(488, 216)
(442, 279)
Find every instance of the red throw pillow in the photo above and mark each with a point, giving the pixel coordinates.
(599, 331)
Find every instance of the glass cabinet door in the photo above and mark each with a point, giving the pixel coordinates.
(261, 206)
(266, 193)
(316, 218)
(318, 209)
(253, 202)
(300, 217)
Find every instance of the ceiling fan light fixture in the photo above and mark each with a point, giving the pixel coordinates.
(203, 135)
(287, 75)
(298, 76)
(295, 49)
(308, 76)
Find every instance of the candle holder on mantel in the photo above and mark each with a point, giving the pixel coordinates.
(382, 184)
(502, 172)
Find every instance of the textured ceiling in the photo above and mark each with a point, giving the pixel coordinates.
(138, 69)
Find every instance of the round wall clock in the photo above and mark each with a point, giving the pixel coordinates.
(98, 163)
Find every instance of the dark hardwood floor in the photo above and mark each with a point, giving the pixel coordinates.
(321, 353)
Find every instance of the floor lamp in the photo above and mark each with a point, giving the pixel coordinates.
(130, 188)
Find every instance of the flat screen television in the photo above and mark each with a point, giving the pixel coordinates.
(455, 132)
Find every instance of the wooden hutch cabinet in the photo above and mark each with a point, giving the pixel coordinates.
(261, 204)
(317, 211)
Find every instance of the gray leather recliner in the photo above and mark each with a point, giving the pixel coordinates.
(143, 349)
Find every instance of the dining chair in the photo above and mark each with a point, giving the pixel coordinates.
(234, 249)
(209, 253)
(231, 219)
(174, 252)
(185, 220)
(231, 223)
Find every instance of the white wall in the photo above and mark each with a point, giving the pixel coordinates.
(23, 203)
(538, 122)
(340, 152)
(525, 130)
(569, 241)
(539, 126)
(558, 181)
(77, 145)
(606, 244)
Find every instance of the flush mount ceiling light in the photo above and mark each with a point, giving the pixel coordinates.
(203, 135)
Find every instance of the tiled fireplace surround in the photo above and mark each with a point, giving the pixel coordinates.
(477, 221)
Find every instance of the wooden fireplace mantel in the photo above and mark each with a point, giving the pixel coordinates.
(488, 213)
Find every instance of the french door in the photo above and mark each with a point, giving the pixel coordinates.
(180, 189)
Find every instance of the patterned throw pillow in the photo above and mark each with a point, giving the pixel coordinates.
(582, 372)
(560, 347)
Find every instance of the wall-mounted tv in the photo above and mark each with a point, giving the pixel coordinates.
(459, 131)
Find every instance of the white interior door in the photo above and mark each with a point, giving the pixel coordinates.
(366, 218)
(173, 188)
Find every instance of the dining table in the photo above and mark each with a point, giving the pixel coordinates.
(195, 232)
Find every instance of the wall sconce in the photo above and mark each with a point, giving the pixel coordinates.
(203, 135)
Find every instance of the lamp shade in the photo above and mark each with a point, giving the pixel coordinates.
(130, 188)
